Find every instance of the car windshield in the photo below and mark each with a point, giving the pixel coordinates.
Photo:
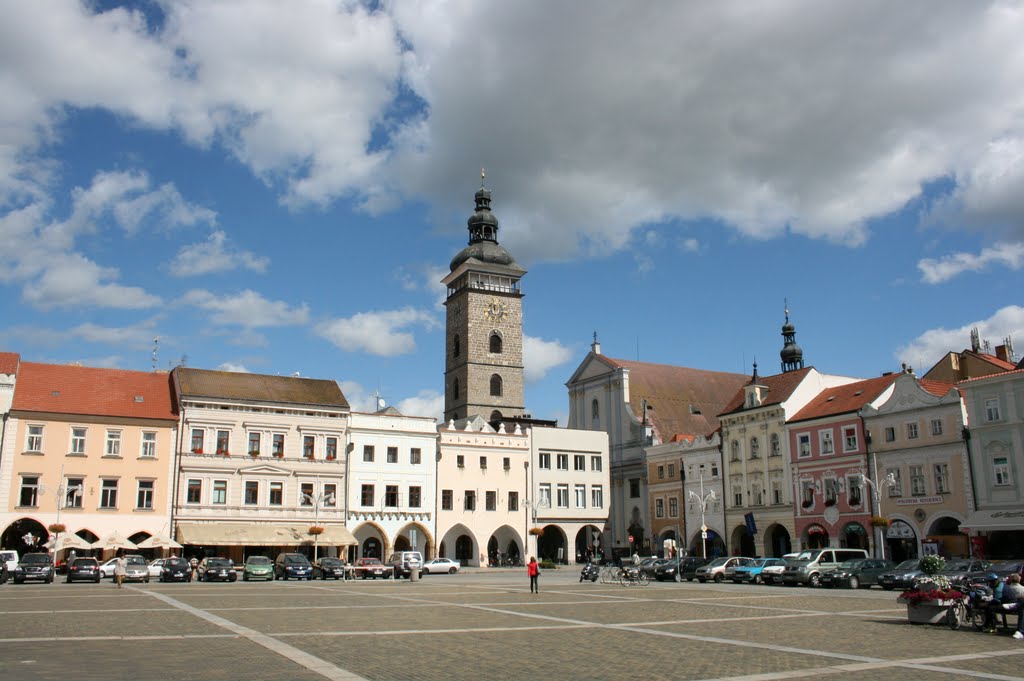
(36, 558)
(296, 559)
(908, 565)
(851, 563)
(718, 562)
(135, 560)
(758, 562)
(806, 556)
(217, 562)
(258, 560)
(1008, 568)
(371, 561)
(330, 562)
(85, 562)
(176, 562)
(957, 566)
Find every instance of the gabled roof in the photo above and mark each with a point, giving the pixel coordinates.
(683, 401)
(229, 385)
(993, 360)
(92, 391)
(9, 362)
(991, 376)
(937, 388)
(780, 388)
(844, 399)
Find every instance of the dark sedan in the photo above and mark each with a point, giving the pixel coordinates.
(84, 570)
(331, 568)
(967, 570)
(856, 574)
(902, 576)
(34, 566)
(176, 570)
(216, 570)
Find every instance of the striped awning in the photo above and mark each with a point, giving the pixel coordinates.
(260, 534)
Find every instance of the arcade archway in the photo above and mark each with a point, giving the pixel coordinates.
(742, 543)
(588, 543)
(815, 537)
(552, 545)
(24, 535)
(777, 542)
(504, 547)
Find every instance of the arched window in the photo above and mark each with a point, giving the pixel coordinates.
(456, 346)
(775, 445)
(735, 450)
(495, 343)
(495, 416)
(455, 389)
(595, 415)
(755, 448)
(495, 385)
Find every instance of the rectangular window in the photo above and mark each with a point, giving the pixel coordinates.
(827, 446)
(113, 443)
(890, 434)
(911, 431)
(483, 463)
(544, 461)
(29, 491)
(917, 481)
(145, 496)
(992, 409)
(1001, 471)
(804, 445)
(941, 478)
(35, 439)
(197, 440)
(545, 495)
(597, 496)
(671, 470)
(366, 495)
(460, 460)
(277, 445)
(194, 492)
(252, 493)
(757, 495)
(563, 462)
(368, 453)
(414, 496)
(469, 500)
(276, 494)
(330, 495)
(391, 496)
(331, 448)
(108, 494)
(563, 496)
(306, 494)
(220, 492)
(634, 488)
(78, 441)
(850, 443)
(776, 492)
(581, 496)
(446, 500)
(513, 501)
(579, 462)
(491, 500)
(807, 493)
(223, 442)
(673, 507)
(254, 444)
(737, 496)
(661, 472)
(506, 463)
(831, 491)
(415, 456)
(854, 491)
(936, 426)
(895, 489)
(73, 491)
(148, 445)
(595, 463)
(659, 508)
(308, 446)
(392, 454)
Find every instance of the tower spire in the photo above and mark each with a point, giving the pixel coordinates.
(792, 356)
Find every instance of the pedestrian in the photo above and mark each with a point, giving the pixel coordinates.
(194, 564)
(120, 569)
(532, 569)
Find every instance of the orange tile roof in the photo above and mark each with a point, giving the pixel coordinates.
(844, 399)
(9, 362)
(780, 387)
(684, 401)
(993, 360)
(258, 387)
(937, 388)
(64, 389)
(990, 376)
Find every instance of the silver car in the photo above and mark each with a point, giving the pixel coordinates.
(136, 569)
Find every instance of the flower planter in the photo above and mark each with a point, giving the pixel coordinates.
(928, 612)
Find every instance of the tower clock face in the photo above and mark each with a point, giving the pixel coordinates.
(496, 310)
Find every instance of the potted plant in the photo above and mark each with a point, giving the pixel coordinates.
(830, 502)
(223, 452)
(879, 521)
(197, 450)
(808, 503)
(315, 530)
(254, 452)
(537, 531)
(57, 528)
(929, 598)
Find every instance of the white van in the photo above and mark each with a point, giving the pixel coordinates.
(806, 567)
(11, 558)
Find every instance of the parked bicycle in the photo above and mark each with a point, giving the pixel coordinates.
(633, 576)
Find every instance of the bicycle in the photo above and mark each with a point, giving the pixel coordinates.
(611, 574)
(634, 576)
(956, 613)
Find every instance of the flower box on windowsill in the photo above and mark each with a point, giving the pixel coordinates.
(278, 455)
(830, 502)
(254, 453)
(808, 504)
(197, 451)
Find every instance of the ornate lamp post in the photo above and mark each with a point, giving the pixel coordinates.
(317, 501)
(534, 505)
(703, 500)
(62, 492)
(876, 495)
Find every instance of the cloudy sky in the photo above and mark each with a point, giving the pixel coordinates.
(278, 187)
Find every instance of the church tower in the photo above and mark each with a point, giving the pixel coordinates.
(484, 333)
(791, 354)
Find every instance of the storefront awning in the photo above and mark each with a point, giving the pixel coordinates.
(260, 534)
(989, 521)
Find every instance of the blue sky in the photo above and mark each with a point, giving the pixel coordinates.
(279, 187)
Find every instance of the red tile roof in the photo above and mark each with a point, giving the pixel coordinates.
(231, 385)
(9, 362)
(937, 388)
(990, 376)
(684, 401)
(780, 387)
(64, 389)
(993, 360)
(844, 399)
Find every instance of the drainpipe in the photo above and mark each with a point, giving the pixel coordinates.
(175, 474)
(965, 433)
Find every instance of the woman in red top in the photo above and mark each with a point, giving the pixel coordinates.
(533, 570)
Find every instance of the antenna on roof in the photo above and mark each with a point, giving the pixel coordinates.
(183, 362)
(156, 347)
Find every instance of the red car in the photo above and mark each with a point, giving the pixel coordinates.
(372, 567)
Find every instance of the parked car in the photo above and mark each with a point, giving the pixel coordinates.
(966, 570)
(441, 565)
(332, 568)
(107, 568)
(772, 574)
(292, 566)
(135, 568)
(372, 567)
(902, 576)
(156, 567)
(83, 569)
(668, 571)
(715, 570)
(752, 571)
(258, 567)
(176, 570)
(649, 565)
(857, 573)
(216, 569)
(728, 572)
(688, 567)
(807, 566)
(10, 558)
(1005, 568)
(404, 562)
(34, 566)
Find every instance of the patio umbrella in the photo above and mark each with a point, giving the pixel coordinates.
(114, 540)
(67, 541)
(158, 541)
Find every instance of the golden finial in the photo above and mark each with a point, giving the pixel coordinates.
(483, 174)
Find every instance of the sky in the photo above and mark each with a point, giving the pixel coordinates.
(278, 187)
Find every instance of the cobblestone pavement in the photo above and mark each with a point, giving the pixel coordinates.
(480, 625)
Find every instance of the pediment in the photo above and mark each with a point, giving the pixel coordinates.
(908, 395)
(265, 469)
(593, 366)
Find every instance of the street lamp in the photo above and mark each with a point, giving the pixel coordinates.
(876, 494)
(62, 492)
(322, 498)
(534, 505)
(703, 500)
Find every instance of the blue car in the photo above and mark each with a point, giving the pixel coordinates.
(751, 572)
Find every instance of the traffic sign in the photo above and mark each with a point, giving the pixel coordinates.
(703, 528)
(704, 535)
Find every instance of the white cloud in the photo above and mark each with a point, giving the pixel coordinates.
(211, 256)
(138, 336)
(247, 309)
(71, 280)
(925, 350)
(426, 278)
(938, 270)
(689, 245)
(379, 333)
(235, 368)
(540, 356)
(425, 403)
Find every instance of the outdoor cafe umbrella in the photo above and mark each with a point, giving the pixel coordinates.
(115, 541)
(67, 541)
(158, 541)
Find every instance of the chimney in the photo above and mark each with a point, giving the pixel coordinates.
(1001, 353)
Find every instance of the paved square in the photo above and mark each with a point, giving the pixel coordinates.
(480, 625)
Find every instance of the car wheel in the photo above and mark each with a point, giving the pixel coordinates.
(245, 578)
(19, 581)
(452, 571)
(284, 576)
(815, 581)
(67, 581)
(593, 579)
(854, 583)
(364, 575)
(147, 579)
(49, 580)
(757, 579)
(689, 579)
(718, 578)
